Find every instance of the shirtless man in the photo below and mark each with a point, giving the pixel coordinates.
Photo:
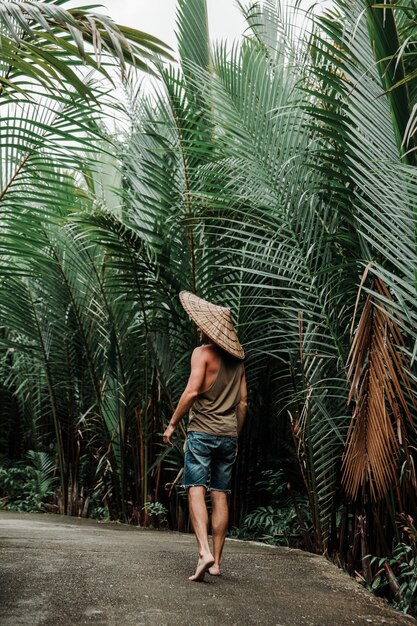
(216, 399)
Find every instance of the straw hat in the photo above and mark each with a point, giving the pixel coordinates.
(215, 321)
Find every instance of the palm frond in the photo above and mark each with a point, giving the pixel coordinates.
(382, 392)
(37, 37)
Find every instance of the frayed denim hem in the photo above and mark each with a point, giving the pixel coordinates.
(188, 486)
(206, 488)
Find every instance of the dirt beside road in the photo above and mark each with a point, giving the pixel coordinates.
(67, 571)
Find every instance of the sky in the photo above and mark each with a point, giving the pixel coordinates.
(157, 17)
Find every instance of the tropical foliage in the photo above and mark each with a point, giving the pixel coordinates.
(27, 487)
(277, 176)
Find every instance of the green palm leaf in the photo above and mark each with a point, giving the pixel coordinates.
(38, 37)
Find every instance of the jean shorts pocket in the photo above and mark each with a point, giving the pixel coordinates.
(190, 441)
(195, 443)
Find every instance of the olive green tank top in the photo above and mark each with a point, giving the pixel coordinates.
(214, 410)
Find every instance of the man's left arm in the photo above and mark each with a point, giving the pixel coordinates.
(193, 388)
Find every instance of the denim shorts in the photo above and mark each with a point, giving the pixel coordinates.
(209, 461)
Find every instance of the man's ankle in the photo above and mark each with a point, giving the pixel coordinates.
(203, 554)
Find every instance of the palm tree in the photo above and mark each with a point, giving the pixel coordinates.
(276, 177)
(268, 196)
(218, 189)
(51, 110)
(379, 172)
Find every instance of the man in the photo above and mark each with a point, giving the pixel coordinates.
(216, 399)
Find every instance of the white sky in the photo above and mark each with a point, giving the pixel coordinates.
(158, 17)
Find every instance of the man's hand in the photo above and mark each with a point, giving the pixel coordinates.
(168, 435)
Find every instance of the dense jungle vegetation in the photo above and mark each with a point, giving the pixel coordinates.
(277, 176)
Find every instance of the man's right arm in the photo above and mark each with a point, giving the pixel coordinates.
(242, 406)
(193, 388)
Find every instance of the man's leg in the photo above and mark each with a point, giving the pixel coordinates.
(199, 520)
(219, 524)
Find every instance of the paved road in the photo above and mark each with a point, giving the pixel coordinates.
(64, 571)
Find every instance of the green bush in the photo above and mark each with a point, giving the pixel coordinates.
(277, 523)
(27, 487)
(157, 514)
(399, 573)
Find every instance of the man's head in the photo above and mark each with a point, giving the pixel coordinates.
(215, 320)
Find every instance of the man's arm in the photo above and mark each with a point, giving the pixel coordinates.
(193, 388)
(242, 406)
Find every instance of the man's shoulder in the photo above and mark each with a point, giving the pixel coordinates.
(206, 352)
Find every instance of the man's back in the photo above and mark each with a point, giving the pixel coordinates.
(214, 409)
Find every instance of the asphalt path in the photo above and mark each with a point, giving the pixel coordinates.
(67, 571)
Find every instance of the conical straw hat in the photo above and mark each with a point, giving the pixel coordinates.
(215, 321)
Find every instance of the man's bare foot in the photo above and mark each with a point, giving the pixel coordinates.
(214, 570)
(204, 562)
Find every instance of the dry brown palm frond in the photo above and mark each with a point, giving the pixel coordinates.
(379, 387)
